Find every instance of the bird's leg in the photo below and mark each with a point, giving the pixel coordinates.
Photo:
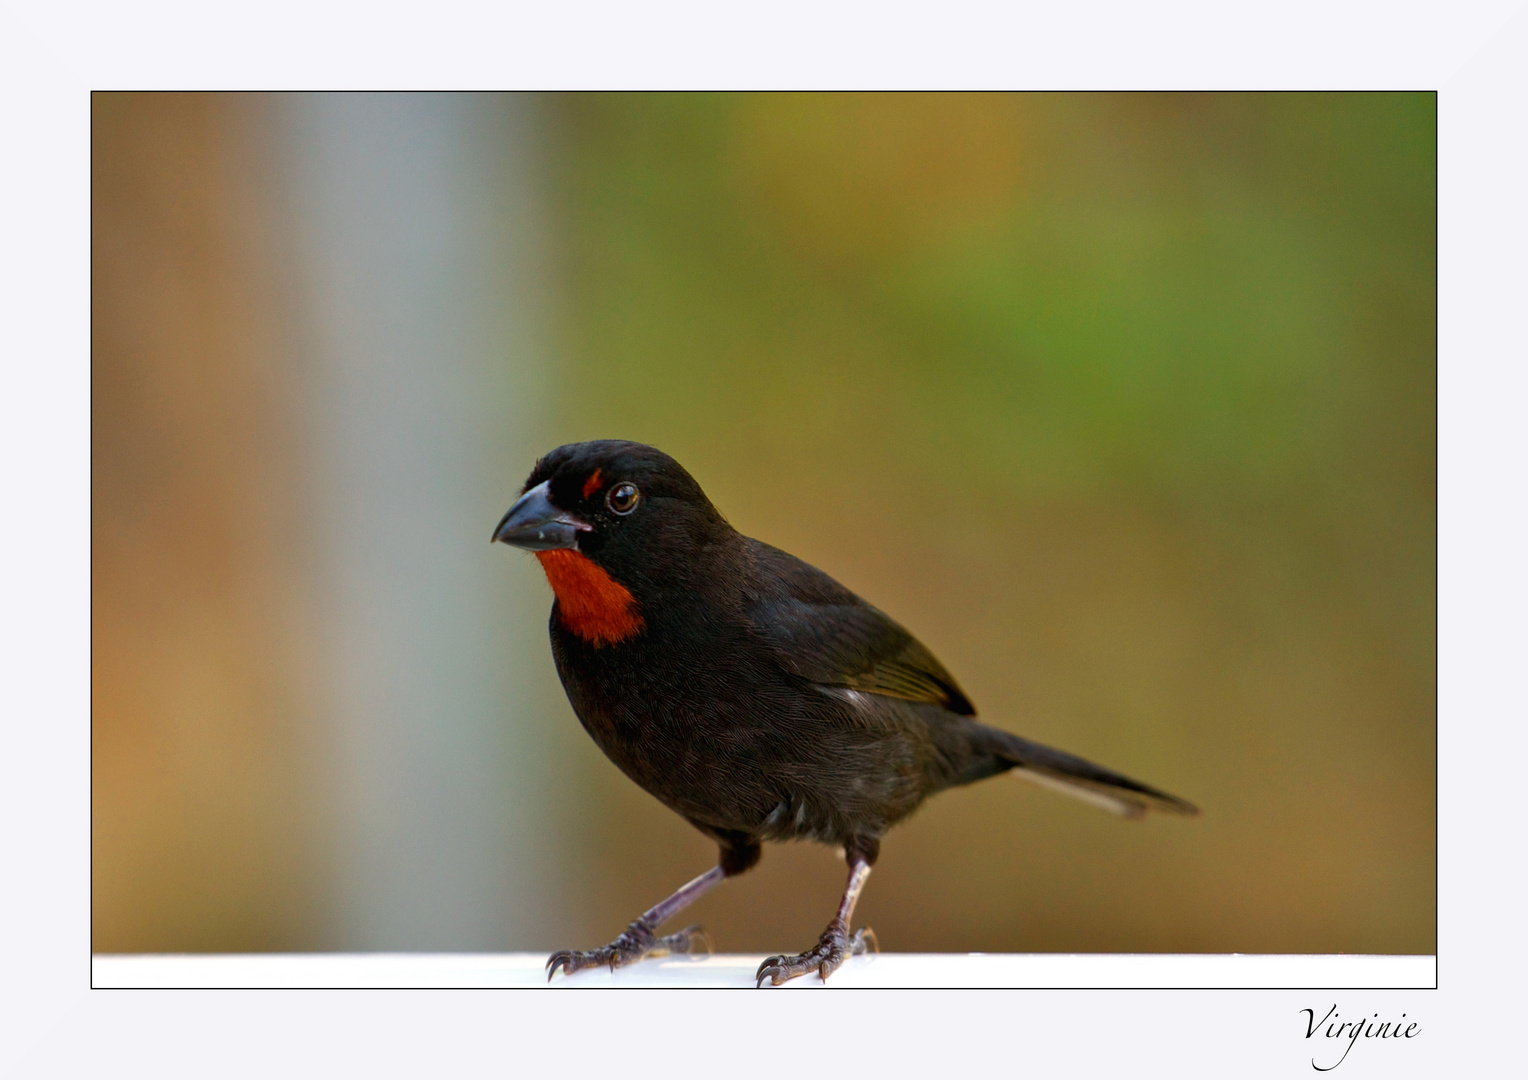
(739, 852)
(836, 944)
(640, 938)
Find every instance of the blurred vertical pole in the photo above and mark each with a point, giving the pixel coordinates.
(416, 242)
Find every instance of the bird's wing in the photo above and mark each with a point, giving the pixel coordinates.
(821, 631)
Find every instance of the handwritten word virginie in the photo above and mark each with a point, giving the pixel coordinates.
(1353, 1030)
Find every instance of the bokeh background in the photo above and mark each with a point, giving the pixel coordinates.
(1125, 404)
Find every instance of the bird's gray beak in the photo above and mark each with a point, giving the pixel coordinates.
(534, 524)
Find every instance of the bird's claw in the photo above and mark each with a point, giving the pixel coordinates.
(634, 943)
(834, 947)
(686, 940)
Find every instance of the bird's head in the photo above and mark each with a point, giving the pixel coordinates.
(613, 523)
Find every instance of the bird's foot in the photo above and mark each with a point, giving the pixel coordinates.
(834, 947)
(634, 943)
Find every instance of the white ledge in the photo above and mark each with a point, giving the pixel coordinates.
(985, 970)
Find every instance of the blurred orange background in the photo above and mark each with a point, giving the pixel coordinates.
(1167, 360)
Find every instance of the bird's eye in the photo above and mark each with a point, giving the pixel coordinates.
(623, 498)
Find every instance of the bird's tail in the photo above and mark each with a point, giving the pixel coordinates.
(1071, 775)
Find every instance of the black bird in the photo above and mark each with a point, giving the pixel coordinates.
(748, 691)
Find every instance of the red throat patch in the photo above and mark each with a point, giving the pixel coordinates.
(593, 605)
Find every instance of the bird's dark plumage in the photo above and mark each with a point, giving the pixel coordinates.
(747, 690)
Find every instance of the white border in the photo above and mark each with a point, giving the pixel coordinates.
(52, 55)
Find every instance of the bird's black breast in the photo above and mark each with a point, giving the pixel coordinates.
(703, 711)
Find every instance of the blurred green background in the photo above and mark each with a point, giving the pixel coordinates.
(1124, 404)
